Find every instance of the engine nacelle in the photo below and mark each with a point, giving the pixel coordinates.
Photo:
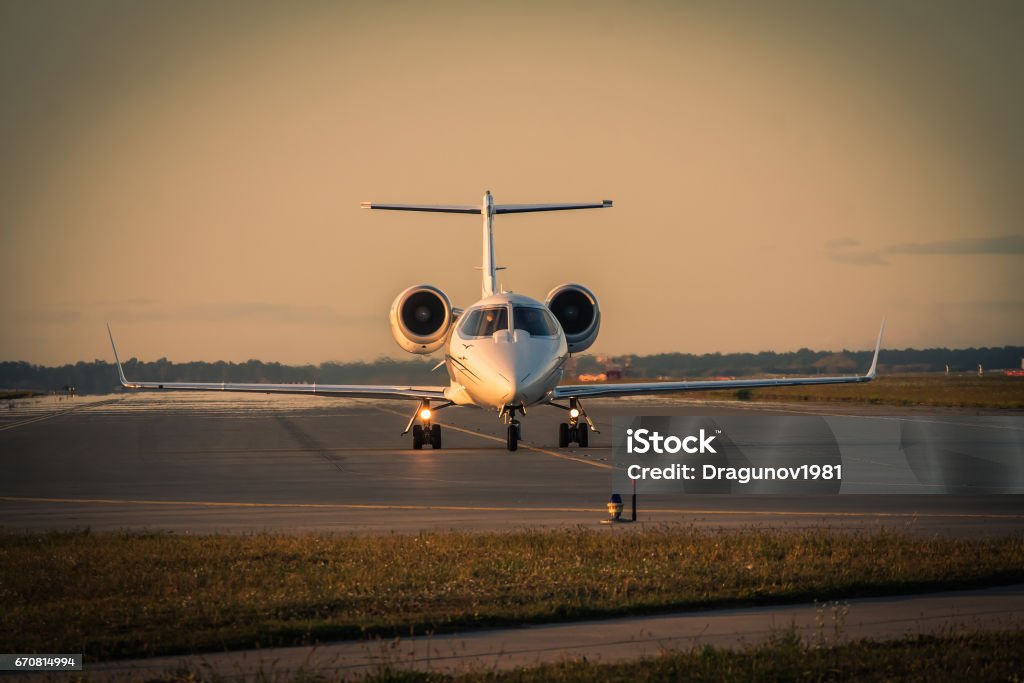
(575, 307)
(420, 319)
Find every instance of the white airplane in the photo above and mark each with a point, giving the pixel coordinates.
(505, 353)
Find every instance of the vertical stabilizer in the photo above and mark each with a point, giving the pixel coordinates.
(487, 267)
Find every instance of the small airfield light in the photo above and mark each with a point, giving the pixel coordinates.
(615, 507)
(425, 413)
(615, 511)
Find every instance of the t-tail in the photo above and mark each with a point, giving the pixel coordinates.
(488, 209)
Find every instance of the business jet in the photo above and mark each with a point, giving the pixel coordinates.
(505, 353)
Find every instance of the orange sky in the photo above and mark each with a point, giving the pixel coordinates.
(784, 174)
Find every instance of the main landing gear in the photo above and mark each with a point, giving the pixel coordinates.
(425, 432)
(575, 431)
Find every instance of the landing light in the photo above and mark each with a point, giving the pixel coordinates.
(425, 413)
(574, 412)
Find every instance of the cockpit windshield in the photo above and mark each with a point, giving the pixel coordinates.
(483, 322)
(537, 321)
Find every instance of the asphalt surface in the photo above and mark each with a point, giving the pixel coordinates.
(237, 463)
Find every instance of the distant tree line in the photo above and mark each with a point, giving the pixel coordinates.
(101, 376)
(804, 362)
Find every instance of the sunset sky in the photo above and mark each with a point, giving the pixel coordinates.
(784, 173)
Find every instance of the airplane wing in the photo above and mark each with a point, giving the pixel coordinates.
(339, 390)
(643, 388)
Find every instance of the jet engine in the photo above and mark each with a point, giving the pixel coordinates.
(420, 319)
(575, 307)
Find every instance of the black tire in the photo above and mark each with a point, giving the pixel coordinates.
(512, 442)
(417, 437)
(583, 435)
(563, 435)
(435, 437)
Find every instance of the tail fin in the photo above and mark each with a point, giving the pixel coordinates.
(488, 209)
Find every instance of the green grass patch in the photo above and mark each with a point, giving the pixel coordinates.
(128, 594)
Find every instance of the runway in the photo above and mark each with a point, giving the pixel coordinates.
(237, 463)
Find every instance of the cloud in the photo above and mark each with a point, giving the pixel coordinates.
(126, 302)
(860, 257)
(1006, 244)
(841, 243)
(45, 317)
(995, 306)
(235, 310)
(848, 250)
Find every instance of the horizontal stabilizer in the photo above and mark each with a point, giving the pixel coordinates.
(434, 208)
(530, 208)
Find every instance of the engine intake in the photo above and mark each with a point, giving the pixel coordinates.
(575, 307)
(420, 319)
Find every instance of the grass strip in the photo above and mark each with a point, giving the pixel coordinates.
(116, 595)
(995, 392)
(919, 659)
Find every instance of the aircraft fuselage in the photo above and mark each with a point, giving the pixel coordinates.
(506, 350)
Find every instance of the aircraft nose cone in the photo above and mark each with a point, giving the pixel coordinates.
(508, 370)
(518, 370)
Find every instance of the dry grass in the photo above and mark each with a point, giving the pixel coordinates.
(964, 657)
(956, 391)
(120, 595)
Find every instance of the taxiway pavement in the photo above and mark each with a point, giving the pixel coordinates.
(242, 463)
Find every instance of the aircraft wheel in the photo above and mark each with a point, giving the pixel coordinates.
(513, 437)
(563, 435)
(417, 437)
(583, 435)
(435, 437)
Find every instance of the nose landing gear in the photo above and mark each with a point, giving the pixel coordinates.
(515, 431)
(512, 440)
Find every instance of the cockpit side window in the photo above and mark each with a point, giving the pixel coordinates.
(537, 321)
(483, 322)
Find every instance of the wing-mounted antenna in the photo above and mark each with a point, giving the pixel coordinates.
(488, 209)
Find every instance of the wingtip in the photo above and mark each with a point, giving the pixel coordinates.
(120, 370)
(873, 370)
